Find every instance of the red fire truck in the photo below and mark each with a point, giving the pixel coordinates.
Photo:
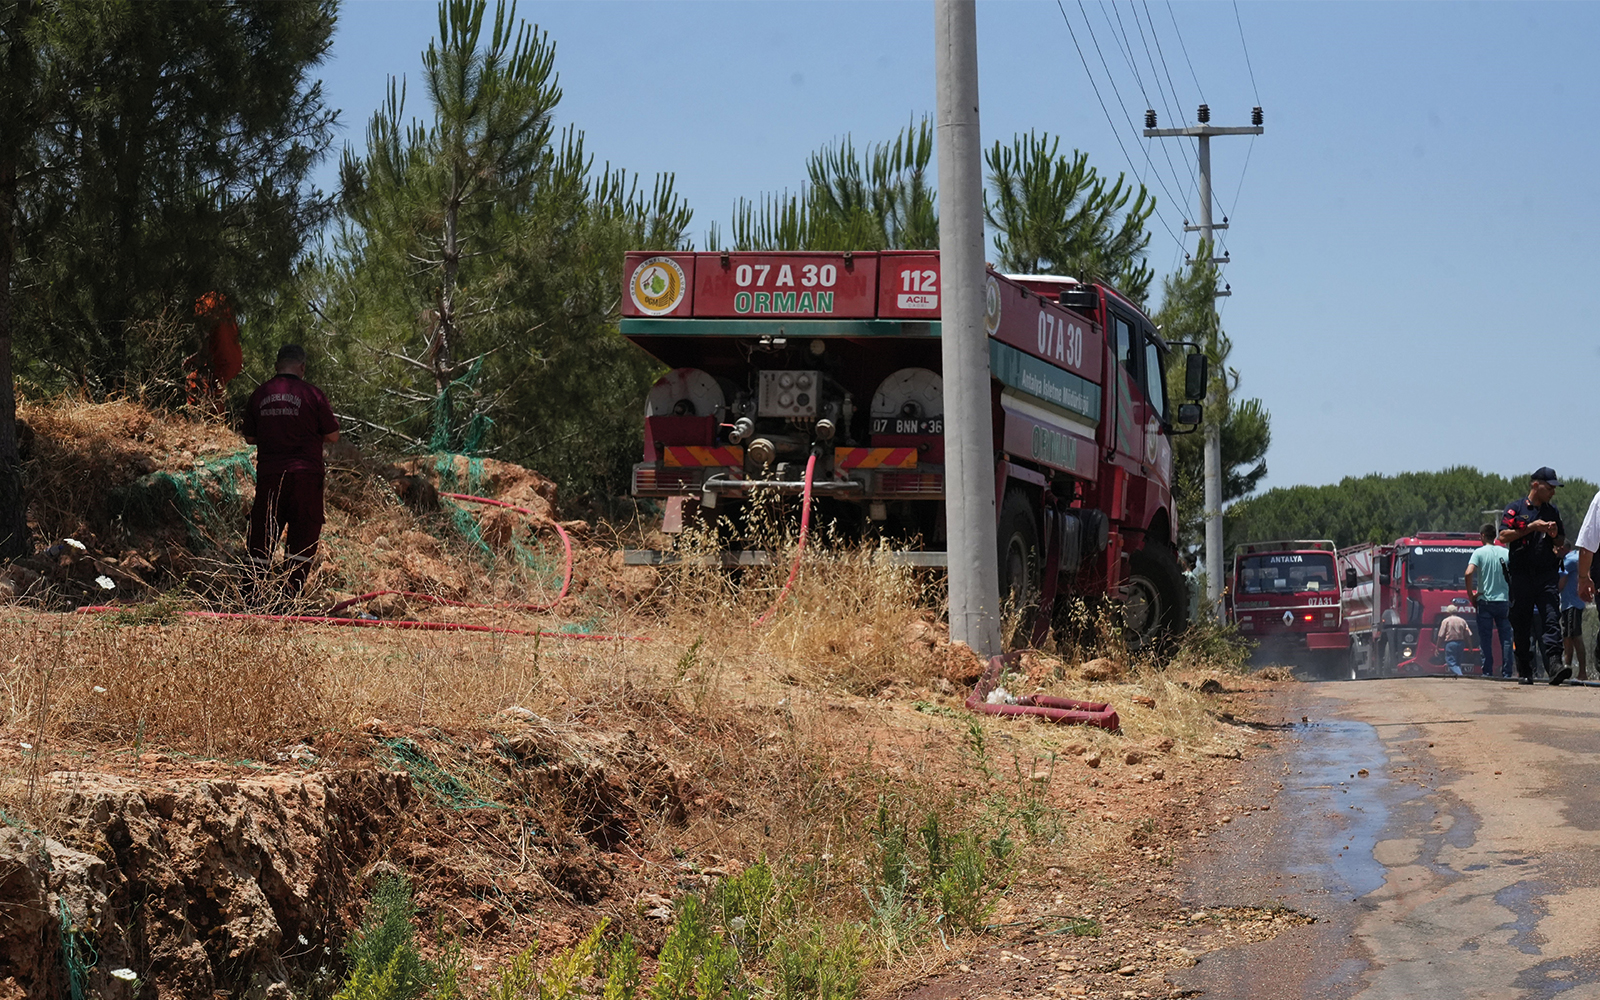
(779, 357)
(1285, 595)
(1395, 596)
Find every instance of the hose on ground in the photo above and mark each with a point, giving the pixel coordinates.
(381, 623)
(331, 619)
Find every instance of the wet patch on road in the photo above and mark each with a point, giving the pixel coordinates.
(1526, 903)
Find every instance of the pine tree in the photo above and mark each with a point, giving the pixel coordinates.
(470, 296)
(149, 152)
(1056, 215)
(1188, 313)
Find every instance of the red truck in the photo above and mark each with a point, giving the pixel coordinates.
(1285, 595)
(777, 357)
(1395, 595)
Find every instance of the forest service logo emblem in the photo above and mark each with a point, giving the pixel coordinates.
(657, 286)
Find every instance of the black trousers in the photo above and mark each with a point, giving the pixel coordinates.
(1536, 617)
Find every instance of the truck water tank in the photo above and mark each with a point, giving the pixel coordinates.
(686, 392)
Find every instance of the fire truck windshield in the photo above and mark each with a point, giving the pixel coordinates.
(1434, 567)
(1287, 573)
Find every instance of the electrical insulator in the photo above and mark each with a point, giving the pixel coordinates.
(1150, 118)
(1255, 116)
(1204, 114)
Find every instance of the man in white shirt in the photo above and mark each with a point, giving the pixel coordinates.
(1588, 543)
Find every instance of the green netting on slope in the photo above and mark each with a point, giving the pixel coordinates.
(204, 496)
(446, 466)
(446, 788)
(74, 946)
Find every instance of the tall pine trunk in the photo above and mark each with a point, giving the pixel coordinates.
(444, 347)
(14, 539)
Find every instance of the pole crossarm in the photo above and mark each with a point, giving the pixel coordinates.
(1207, 130)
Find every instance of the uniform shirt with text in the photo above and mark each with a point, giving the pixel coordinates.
(288, 417)
(1534, 554)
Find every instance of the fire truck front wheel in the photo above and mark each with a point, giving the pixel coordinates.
(1155, 604)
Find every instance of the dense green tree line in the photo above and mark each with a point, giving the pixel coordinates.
(1380, 508)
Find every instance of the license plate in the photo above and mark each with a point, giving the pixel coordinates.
(895, 425)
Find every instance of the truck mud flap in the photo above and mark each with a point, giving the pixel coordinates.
(1327, 640)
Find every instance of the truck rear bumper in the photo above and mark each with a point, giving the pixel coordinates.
(722, 486)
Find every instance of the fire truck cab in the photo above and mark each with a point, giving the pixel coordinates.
(1396, 594)
(1285, 595)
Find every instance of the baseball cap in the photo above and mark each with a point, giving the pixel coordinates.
(1546, 474)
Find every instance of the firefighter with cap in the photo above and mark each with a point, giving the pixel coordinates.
(1533, 533)
(287, 419)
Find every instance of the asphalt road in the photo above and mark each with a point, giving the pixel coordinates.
(1464, 862)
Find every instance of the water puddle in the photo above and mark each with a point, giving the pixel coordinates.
(1339, 781)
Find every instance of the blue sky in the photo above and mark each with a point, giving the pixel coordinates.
(1414, 240)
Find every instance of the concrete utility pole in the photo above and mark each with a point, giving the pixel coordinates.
(968, 434)
(1213, 419)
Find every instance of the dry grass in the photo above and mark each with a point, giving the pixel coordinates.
(789, 739)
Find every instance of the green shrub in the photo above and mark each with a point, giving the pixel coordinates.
(697, 964)
(383, 956)
(748, 907)
(812, 965)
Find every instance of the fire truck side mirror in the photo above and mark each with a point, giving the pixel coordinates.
(1349, 578)
(1196, 376)
(1190, 413)
(1383, 574)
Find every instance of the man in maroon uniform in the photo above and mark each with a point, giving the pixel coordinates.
(288, 419)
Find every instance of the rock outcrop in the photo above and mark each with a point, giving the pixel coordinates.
(200, 887)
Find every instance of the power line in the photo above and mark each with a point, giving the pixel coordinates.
(1120, 103)
(1183, 152)
(1236, 191)
(1164, 68)
(1179, 32)
(1115, 134)
(1127, 53)
(1246, 48)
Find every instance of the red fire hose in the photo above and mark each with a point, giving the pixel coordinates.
(381, 623)
(800, 546)
(1049, 707)
(329, 619)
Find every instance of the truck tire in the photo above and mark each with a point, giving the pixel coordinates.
(1155, 605)
(1019, 561)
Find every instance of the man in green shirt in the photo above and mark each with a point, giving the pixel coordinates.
(1490, 590)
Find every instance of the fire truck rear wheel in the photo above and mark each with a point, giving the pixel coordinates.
(1155, 604)
(1019, 553)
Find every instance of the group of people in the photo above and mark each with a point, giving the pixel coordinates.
(1530, 586)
